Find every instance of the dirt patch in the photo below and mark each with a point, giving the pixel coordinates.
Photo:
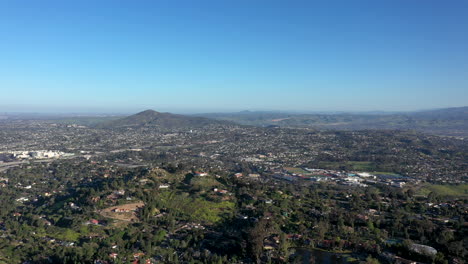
(124, 212)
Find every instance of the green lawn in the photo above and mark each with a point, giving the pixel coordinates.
(361, 165)
(350, 165)
(460, 190)
(196, 209)
(205, 182)
(296, 170)
(382, 173)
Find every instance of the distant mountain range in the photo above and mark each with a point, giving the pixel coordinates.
(454, 113)
(448, 121)
(151, 118)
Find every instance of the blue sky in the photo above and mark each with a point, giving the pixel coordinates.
(204, 56)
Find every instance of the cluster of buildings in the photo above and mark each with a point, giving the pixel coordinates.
(38, 154)
(361, 179)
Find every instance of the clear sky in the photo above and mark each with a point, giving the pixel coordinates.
(223, 55)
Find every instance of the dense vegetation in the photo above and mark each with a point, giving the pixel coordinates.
(189, 222)
(135, 191)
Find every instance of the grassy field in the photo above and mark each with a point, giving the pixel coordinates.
(460, 190)
(361, 165)
(205, 182)
(382, 173)
(296, 170)
(196, 209)
(350, 165)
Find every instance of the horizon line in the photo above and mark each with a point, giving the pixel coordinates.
(220, 111)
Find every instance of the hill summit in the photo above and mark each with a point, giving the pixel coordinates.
(151, 118)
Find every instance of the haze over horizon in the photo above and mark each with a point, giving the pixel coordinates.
(126, 112)
(219, 56)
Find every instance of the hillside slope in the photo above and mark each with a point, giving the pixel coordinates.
(151, 118)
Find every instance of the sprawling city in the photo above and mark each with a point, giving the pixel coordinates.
(162, 188)
(233, 132)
